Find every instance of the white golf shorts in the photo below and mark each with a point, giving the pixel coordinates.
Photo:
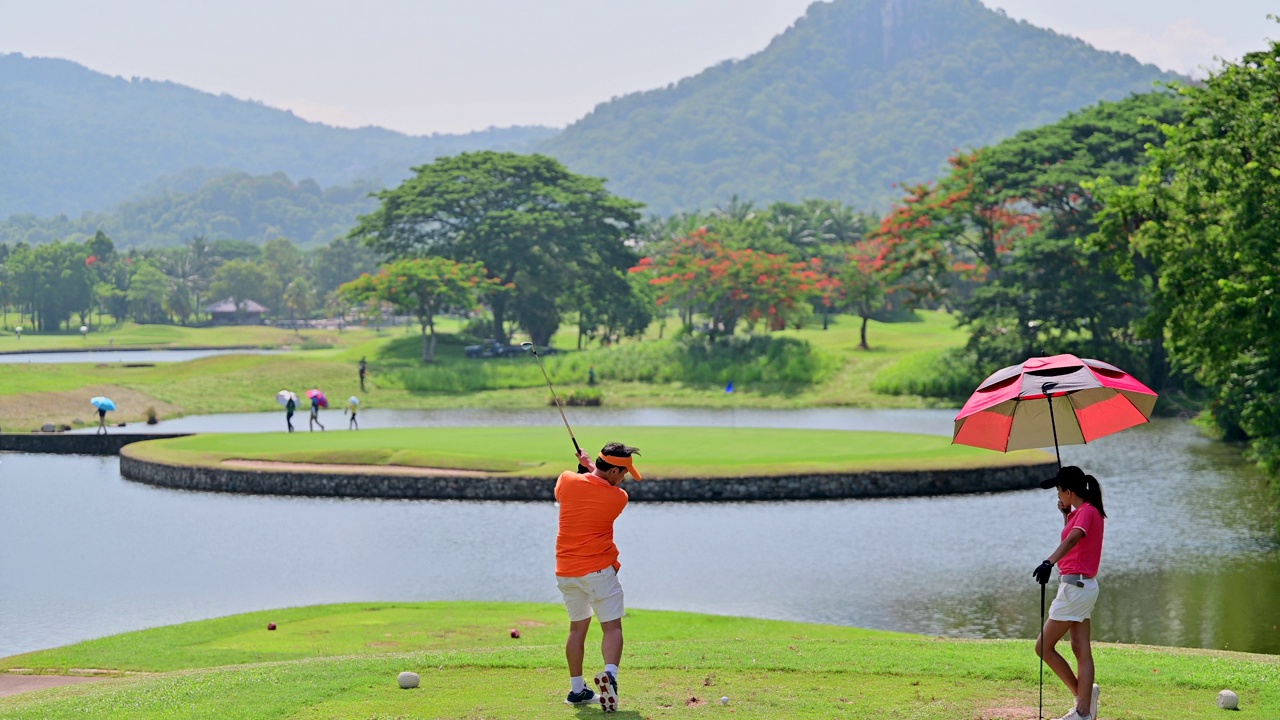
(600, 591)
(1074, 604)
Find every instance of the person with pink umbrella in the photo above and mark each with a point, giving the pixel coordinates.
(318, 400)
(1063, 400)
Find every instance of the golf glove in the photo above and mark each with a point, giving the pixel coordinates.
(1042, 572)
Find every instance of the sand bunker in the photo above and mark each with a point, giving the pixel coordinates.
(358, 469)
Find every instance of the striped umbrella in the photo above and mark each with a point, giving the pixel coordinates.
(1061, 400)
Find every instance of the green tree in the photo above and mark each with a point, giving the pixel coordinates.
(531, 222)
(299, 298)
(1206, 212)
(53, 280)
(148, 289)
(241, 280)
(423, 287)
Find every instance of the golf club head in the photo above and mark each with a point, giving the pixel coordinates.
(528, 347)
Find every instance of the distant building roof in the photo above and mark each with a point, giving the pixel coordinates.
(229, 306)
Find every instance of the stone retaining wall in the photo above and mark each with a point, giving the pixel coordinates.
(65, 444)
(792, 487)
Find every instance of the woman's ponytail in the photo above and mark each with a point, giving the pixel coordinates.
(1093, 494)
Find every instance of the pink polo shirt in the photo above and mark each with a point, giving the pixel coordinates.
(1086, 556)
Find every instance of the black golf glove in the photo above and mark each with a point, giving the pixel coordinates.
(1042, 572)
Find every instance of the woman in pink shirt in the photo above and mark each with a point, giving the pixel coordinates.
(1077, 557)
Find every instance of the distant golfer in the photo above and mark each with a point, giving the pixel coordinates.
(289, 407)
(315, 415)
(364, 369)
(1077, 557)
(353, 407)
(587, 565)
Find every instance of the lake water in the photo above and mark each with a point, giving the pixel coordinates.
(121, 356)
(1192, 555)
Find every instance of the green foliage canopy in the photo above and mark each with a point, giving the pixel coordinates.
(535, 226)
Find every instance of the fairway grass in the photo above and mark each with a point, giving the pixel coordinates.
(34, 394)
(666, 452)
(341, 661)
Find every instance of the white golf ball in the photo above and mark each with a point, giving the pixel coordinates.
(1228, 700)
(408, 680)
(724, 700)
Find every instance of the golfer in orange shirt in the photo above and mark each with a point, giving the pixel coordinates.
(587, 565)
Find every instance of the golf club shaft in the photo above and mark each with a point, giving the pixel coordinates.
(556, 398)
(1040, 713)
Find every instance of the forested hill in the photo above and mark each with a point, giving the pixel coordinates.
(233, 206)
(857, 95)
(72, 139)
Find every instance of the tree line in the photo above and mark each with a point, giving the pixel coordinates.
(1144, 232)
(536, 244)
(49, 286)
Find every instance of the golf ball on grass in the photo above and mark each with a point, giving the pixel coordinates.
(1228, 700)
(724, 700)
(408, 680)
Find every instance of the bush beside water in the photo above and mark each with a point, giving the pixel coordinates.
(950, 374)
(758, 360)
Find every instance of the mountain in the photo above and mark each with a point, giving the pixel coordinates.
(855, 96)
(230, 206)
(72, 139)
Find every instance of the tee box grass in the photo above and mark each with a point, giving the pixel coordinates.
(341, 661)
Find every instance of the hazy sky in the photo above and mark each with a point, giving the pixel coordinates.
(423, 66)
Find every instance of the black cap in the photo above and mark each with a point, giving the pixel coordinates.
(1069, 477)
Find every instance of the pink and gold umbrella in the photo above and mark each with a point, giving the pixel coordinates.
(1062, 400)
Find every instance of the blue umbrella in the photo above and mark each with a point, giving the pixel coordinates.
(102, 403)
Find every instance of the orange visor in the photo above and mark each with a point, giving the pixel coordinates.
(624, 462)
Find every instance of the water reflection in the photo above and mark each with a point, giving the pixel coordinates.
(122, 356)
(1192, 556)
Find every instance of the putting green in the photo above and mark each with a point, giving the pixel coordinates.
(666, 452)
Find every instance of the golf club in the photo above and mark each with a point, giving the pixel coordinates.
(528, 346)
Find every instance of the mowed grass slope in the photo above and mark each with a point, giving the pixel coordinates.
(33, 394)
(666, 452)
(341, 661)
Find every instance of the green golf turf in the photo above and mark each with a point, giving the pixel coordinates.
(666, 452)
(341, 661)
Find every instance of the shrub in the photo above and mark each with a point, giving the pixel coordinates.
(150, 412)
(586, 397)
(310, 344)
(949, 374)
(695, 359)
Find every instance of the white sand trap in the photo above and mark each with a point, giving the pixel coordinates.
(358, 469)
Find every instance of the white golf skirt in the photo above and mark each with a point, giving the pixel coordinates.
(1073, 603)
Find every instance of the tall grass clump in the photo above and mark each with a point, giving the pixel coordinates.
(950, 374)
(471, 376)
(695, 359)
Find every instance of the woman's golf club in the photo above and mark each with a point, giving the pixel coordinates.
(528, 346)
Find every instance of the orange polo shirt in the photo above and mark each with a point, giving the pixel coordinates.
(588, 507)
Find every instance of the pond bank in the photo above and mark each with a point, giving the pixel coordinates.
(374, 482)
(57, 443)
